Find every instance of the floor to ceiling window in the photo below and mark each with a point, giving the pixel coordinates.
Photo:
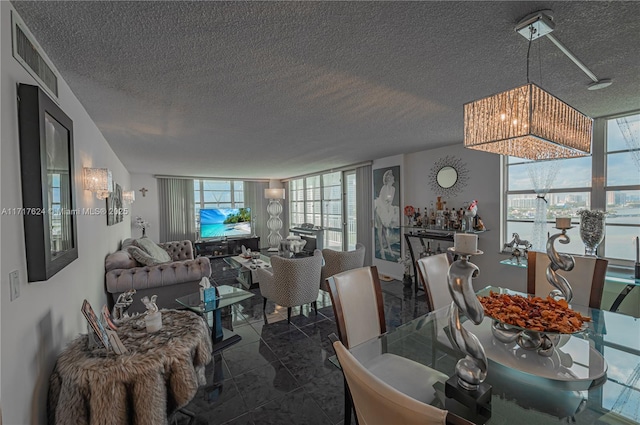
(622, 186)
(608, 180)
(320, 200)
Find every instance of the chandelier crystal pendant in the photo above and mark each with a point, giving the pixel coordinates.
(527, 122)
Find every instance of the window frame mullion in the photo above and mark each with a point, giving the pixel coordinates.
(598, 168)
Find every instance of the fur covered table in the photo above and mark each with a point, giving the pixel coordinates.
(160, 374)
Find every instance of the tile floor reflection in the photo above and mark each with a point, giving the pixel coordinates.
(279, 372)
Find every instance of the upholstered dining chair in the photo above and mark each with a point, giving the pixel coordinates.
(377, 403)
(340, 261)
(291, 282)
(357, 301)
(433, 272)
(586, 278)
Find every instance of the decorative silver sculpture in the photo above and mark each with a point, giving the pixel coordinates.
(591, 230)
(559, 261)
(122, 304)
(471, 370)
(517, 248)
(540, 341)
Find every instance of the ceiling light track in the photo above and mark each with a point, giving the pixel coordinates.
(540, 24)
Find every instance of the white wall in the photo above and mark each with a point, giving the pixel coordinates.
(484, 186)
(146, 206)
(46, 316)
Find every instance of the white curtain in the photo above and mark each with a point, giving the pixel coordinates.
(542, 175)
(177, 210)
(254, 199)
(364, 208)
(630, 129)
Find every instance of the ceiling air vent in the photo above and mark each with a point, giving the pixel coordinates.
(27, 51)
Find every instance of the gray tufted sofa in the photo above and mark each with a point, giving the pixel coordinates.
(167, 280)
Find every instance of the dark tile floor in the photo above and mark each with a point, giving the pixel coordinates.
(279, 373)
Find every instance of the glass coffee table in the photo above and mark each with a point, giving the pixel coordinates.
(225, 296)
(247, 267)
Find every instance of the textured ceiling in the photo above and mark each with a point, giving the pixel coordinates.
(279, 89)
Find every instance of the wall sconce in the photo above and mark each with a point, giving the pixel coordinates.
(128, 196)
(274, 224)
(99, 181)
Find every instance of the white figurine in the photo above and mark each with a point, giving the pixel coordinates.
(153, 318)
(150, 304)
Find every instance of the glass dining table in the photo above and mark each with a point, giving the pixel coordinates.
(528, 388)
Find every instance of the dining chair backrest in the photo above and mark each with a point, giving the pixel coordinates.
(586, 278)
(377, 403)
(357, 304)
(433, 272)
(340, 261)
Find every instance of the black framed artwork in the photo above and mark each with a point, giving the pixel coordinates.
(386, 213)
(48, 192)
(115, 212)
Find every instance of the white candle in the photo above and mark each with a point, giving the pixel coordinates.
(465, 243)
(153, 321)
(563, 222)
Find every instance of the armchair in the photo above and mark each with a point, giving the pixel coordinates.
(169, 280)
(293, 282)
(340, 261)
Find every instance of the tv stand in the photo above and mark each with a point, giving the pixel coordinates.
(225, 247)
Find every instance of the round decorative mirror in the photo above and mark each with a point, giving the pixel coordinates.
(447, 177)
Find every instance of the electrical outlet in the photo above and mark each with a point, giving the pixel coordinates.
(14, 284)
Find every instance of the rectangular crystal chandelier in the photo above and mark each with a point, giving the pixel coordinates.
(527, 122)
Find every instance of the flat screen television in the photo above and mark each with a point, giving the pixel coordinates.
(225, 222)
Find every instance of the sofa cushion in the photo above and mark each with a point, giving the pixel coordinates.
(142, 257)
(119, 260)
(151, 248)
(127, 243)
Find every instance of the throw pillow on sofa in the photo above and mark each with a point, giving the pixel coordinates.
(142, 257)
(153, 249)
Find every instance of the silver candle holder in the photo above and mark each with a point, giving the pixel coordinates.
(472, 369)
(543, 342)
(467, 387)
(559, 261)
